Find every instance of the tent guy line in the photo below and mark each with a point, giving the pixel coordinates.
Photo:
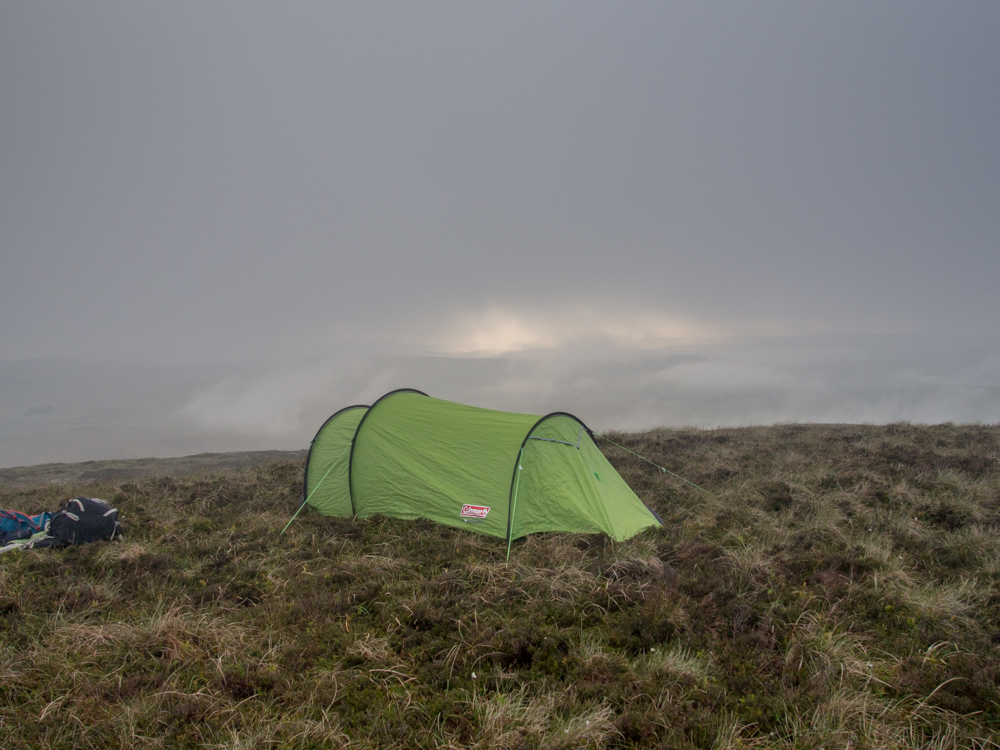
(306, 499)
(643, 458)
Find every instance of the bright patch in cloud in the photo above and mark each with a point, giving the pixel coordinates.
(498, 331)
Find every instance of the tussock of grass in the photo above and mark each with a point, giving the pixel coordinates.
(674, 663)
(840, 588)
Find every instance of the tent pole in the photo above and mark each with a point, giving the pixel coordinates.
(513, 504)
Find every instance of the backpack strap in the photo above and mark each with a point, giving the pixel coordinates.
(37, 540)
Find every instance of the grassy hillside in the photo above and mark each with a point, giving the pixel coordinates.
(118, 470)
(838, 589)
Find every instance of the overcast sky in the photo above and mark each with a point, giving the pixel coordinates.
(250, 214)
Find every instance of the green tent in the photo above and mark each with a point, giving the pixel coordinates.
(507, 475)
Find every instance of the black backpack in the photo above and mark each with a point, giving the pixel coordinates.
(83, 520)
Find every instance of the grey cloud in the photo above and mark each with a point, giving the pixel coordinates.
(238, 198)
(190, 180)
(132, 411)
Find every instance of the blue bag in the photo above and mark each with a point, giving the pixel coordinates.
(14, 524)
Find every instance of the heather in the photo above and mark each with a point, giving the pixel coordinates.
(828, 586)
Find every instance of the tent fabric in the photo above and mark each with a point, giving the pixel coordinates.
(328, 461)
(497, 473)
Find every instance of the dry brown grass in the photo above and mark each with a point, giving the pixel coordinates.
(839, 588)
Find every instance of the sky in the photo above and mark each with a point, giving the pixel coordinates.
(221, 222)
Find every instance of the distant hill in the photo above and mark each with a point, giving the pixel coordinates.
(140, 468)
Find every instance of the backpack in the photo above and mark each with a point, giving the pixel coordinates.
(17, 525)
(83, 520)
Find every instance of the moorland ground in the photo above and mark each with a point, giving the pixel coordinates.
(120, 470)
(834, 586)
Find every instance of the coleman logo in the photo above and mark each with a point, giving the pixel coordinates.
(475, 511)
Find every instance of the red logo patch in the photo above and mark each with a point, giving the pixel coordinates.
(475, 511)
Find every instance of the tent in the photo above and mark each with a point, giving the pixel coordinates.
(498, 473)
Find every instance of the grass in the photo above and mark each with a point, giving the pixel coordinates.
(119, 470)
(839, 589)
